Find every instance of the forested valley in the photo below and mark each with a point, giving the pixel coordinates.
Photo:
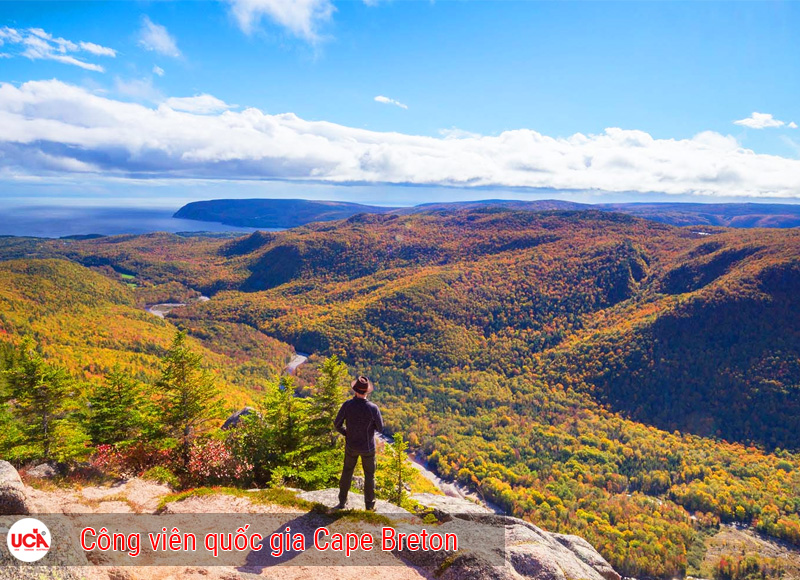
(631, 382)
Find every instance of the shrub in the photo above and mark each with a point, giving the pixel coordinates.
(212, 463)
(130, 460)
(162, 474)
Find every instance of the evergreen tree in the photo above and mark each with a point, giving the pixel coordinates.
(287, 418)
(328, 396)
(273, 439)
(320, 453)
(188, 397)
(117, 409)
(43, 396)
(394, 472)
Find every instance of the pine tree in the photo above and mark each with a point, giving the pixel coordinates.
(117, 409)
(328, 396)
(43, 396)
(394, 471)
(274, 439)
(187, 394)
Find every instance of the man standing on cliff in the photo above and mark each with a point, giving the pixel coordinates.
(357, 420)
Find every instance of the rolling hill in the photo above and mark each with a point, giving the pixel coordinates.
(630, 381)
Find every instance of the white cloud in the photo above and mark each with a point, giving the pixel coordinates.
(792, 125)
(157, 38)
(157, 70)
(302, 18)
(388, 101)
(97, 49)
(36, 44)
(50, 127)
(456, 133)
(200, 104)
(759, 121)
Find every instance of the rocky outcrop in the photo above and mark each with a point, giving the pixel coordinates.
(13, 499)
(529, 551)
(586, 552)
(330, 498)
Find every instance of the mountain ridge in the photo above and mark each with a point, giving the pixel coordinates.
(289, 213)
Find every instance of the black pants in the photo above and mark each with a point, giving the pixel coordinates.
(368, 464)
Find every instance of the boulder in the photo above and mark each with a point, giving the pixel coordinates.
(45, 470)
(13, 499)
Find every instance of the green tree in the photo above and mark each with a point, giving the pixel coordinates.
(328, 395)
(43, 397)
(188, 397)
(118, 409)
(319, 453)
(273, 439)
(394, 472)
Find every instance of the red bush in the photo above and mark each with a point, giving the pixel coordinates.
(211, 463)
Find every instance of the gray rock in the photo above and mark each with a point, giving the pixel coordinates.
(330, 497)
(449, 505)
(44, 471)
(13, 499)
(530, 552)
(471, 567)
(586, 552)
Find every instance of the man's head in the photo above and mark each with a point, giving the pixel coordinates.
(362, 387)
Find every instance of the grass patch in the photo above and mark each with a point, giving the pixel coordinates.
(279, 496)
(76, 479)
(195, 492)
(270, 496)
(161, 474)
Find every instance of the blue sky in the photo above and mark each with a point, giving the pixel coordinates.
(498, 89)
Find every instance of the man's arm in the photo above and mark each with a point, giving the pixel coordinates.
(378, 420)
(337, 423)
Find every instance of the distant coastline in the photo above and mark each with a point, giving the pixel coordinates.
(55, 221)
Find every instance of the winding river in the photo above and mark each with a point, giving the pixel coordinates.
(448, 488)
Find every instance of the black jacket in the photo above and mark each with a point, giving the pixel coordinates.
(361, 418)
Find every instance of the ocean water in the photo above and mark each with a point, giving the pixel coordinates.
(57, 221)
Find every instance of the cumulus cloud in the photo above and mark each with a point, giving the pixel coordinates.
(760, 121)
(37, 44)
(302, 18)
(50, 126)
(157, 38)
(388, 101)
(792, 125)
(157, 70)
(200, 104)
